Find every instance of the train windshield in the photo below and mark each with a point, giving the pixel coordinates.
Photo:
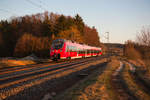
(57, 44)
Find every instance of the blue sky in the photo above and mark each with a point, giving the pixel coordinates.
(121, 18)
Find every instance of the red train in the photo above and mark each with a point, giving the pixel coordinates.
(66, 49)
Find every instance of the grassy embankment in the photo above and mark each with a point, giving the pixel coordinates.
(95, 87)
(132, 85)
(143, 69)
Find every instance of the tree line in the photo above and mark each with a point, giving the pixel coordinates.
(139, 49)
(21, 36)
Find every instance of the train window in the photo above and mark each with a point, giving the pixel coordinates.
(74, 49)
(89, 52)
(78, 50)
(57, 44)
(81, 51)
(86, 51)
(71, 48)
(67, 49)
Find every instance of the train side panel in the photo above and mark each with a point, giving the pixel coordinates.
(71, 50)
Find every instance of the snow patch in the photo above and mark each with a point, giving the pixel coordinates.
(30, 57)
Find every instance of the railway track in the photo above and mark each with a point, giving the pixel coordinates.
(17, 68)
(34, 70)
(20, 76)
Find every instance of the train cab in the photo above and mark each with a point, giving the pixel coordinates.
(57, 49)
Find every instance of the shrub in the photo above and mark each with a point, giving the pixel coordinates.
(130, 51)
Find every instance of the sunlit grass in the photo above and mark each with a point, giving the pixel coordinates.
(132, 85)
(11, 63)
(94, 87)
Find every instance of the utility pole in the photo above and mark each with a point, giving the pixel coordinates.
(108, 48)
(107, 36)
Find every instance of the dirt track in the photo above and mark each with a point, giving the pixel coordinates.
(141, 82)
(120, 86)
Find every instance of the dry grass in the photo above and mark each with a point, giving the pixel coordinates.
(94, 87)
(142, 66)
(138, 62)
(133, 86)
(114, 64)
(132, 53)
(11, 63)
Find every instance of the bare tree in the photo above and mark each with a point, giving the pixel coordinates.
(143, 36)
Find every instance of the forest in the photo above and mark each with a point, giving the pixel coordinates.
(33, 34)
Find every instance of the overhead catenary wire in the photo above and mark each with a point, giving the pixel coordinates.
(7, 11)
(37, 5)
(42, 3)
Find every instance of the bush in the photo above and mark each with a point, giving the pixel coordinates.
(130, 51)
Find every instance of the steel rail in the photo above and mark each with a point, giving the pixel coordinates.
(39, 72)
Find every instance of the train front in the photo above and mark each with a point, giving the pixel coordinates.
(57, 49)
